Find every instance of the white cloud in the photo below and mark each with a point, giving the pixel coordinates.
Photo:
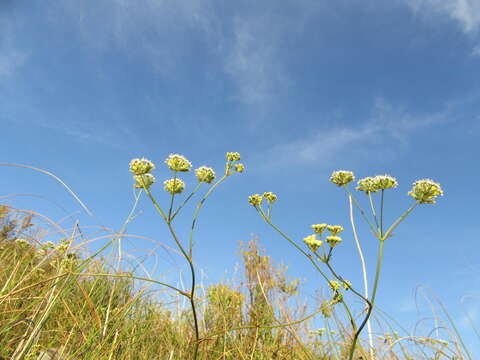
(243, 43)
(389, 124)
(465, 12)
(476, 51)
(11, 57)
(250, 61)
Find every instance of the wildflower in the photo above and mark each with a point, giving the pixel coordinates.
(22, 242)
(312, 242)
(271, 197)
(178, 162)
(41, 253)
(143, 181)
(347, 284)
(342, 177)
(240, 168)
(255, 200)
(338, 297)
(425, 191)
(174, 186)
(367, 184)
(62, 247)
(141, 166)
(383, 182)
(205, 174)
(233, 156)
(319, 332)
(335, 229)
(334, 285)
(319, 228)
(49, 245)
(333, 240)
(326, 309)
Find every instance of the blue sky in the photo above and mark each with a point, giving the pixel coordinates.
(299, 88)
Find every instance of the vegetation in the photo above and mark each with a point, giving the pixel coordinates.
(56, 302)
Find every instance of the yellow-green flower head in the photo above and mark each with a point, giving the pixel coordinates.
(335, 229)
(383, 182)
(334, 285)
(178, 162)
(143, 181)
(240, 168)
(347, 284)
(21, 242)
(255, 200)
(338, 297)
(425, 191)
(174, 186)
(271, 197)
(312, 242)
(367, 184)
(205, 174)
(141, 166)
(342, 177)
(333, 240)
(319, 228)
(326, 309)
(233, 156)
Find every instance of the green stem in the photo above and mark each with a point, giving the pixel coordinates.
(192, 271)
(363, 264)
(381, 214)
(185, 201)
(197, 211)
(399, 220)
(373, 208)
(293, 243)
(172, 198)
(362, 212)
(371, 303)
(338, 277)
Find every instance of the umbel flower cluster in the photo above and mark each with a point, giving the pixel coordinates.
(424, 191)
(141, 169)
(332, 240)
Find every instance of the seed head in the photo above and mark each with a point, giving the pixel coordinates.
(312, 242)
(383, 182)
(335, 229)
(342, 177)
(271, 197)
(174, 186)
(233, 156)
(255, 200)
(319, 228)
(347, 284)
(178, 162)
(141, 166)
(143, 181)
(367, 184)
(205, 174)
(425, 191)
(333, 240)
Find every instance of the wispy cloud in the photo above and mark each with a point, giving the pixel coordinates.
(390, 124)
(465, 12)
(250, 61)
(11, 57)
(244, 41)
